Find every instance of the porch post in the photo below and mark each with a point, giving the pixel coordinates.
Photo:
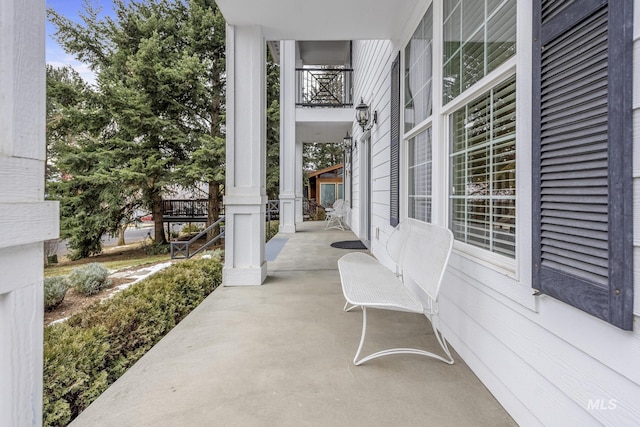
(245, 191)
(26, 220)
(299, 183)
(287, 136)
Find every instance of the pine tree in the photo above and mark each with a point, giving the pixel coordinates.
(159, 84)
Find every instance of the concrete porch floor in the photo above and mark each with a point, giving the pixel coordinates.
(281, 355)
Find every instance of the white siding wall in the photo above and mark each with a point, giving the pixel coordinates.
(25, 219)
(372, 65)
(547, 362)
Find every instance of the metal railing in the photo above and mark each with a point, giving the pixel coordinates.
(310, 208)
(324, 87)
(183, 249)
(273, 213)
(185, 208)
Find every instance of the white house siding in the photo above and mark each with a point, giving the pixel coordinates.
(547, 362)
(372, 63)
(25, 219)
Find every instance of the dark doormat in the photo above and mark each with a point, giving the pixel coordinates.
(349, 244)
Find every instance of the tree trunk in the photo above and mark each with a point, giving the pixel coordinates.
(158, 219)
(121, 231)
(213, 210)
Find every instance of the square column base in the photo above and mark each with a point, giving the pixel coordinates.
(250, 276)
(287, 214)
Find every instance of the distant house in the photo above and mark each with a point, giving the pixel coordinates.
(326, 185)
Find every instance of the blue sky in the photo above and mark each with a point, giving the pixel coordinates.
(70, 8)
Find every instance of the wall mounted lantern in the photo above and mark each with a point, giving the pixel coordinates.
(363, 113)
(346, 141)
(346, 144)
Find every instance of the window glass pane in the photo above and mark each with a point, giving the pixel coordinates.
(479, 35)
(501, 33)
(419, 179)
(327, 194)
(340, 191)
(483, 171)
(418, 73)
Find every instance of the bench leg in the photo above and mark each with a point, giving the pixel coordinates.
(347, 308)
(439, 337)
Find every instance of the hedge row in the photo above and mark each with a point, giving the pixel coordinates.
(86, 354)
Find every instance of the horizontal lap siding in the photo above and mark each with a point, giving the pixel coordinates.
(552, 370)
(556, 359)
(545, 365)
(372, 61)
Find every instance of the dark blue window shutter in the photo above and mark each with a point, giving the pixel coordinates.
(395, 143)
(582, 145)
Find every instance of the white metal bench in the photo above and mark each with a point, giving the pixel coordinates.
(421, 252)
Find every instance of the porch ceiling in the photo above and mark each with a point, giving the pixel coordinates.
(335, 52)
(323, 124)
(327, 20)
(321, 132)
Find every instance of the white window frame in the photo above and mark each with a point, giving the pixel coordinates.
(497, 274)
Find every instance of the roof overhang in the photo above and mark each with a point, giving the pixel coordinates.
(326, 20)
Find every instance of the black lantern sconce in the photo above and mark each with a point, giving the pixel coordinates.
(346, 142)
(363, 116)
(348, 148)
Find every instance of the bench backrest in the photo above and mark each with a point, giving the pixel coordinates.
(422, 252)
(397, 241)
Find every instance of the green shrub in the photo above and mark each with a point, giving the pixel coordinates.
(74, 371)
(319, 215)
(86, 354)
(191, 228)
(156, 249)
(54, 290)
(272, 229)
(90, 279)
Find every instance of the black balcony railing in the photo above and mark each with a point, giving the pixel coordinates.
(185, 208)
(324, 87)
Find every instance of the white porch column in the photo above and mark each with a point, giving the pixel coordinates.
(299, 183)
(245, 193)
(26, 220)
(287, 136)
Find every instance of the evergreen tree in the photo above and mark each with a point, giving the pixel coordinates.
(273, 129)
(318, 156)
(159, 67)
(93, 201)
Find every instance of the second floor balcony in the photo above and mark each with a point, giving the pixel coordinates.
(329, 87)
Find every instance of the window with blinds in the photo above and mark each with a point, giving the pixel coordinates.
(483, 171)
(418, 83)
(419, 176)
(418, 55)
(479, 35)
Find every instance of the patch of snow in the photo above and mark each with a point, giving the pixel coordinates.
(64, 319)
(138, 275)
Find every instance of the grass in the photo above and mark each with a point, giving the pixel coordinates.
(125, 257)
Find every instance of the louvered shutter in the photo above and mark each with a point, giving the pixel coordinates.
(395, 143)
(582, 156)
